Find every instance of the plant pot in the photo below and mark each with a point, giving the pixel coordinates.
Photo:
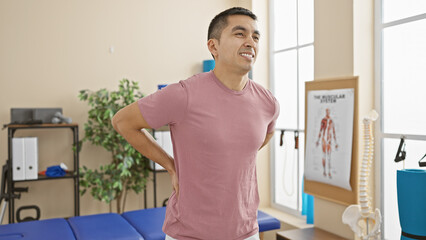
(411, 187)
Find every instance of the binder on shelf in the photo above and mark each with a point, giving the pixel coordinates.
(25, 158)
(31, 158)
(18, 158)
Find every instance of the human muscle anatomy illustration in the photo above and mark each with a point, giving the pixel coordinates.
(327, 135)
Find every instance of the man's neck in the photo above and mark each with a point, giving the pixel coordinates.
(232, 80)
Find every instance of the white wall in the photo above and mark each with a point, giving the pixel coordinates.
(344, 47)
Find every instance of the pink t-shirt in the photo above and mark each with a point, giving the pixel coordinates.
(216, 134)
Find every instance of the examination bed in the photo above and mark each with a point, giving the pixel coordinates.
(142, 224)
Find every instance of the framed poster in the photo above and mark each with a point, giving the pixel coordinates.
(329, 137)
(331, 127)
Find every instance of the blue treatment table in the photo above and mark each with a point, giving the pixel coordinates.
(107, 226)
(133, 225)
(149, 222)
(267, 222)
(50, 229)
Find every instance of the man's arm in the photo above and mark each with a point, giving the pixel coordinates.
(267, 138)
(130, 124)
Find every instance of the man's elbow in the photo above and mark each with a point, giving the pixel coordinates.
(128, 119)
(116, 122)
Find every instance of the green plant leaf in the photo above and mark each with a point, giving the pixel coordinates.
(127, 165)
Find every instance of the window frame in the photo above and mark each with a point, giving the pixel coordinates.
(300, 129)
(379, 26)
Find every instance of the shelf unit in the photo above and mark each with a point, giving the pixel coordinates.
(74, 174)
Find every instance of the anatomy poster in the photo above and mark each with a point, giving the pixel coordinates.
(330, 116)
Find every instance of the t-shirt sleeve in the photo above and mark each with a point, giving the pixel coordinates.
(166, 106)
(271, 125)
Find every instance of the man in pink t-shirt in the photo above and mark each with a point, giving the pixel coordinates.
(218, 122)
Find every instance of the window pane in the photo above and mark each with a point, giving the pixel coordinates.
(286, 191)
(415, 150)
(306, 73)
(306, 21)
(404, 75)
(285, 24)
(285, 69)
(397, 9)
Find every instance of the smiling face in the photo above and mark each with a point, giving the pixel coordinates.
(237, 48)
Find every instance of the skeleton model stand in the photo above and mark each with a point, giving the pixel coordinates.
(362, 220)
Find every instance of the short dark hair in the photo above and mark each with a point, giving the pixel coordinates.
(220, 21)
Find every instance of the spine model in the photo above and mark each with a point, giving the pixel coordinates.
(363, 221)
(364, 199)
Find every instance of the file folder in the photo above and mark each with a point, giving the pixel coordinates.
(31, 158)
(18, 159)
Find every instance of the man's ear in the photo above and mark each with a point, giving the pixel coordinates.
(212, 46)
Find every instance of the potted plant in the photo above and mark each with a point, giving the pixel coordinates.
(128, 169)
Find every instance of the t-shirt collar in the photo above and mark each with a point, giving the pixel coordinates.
(221, 85)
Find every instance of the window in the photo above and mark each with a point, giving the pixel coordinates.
(400, 83)
(292, 63)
